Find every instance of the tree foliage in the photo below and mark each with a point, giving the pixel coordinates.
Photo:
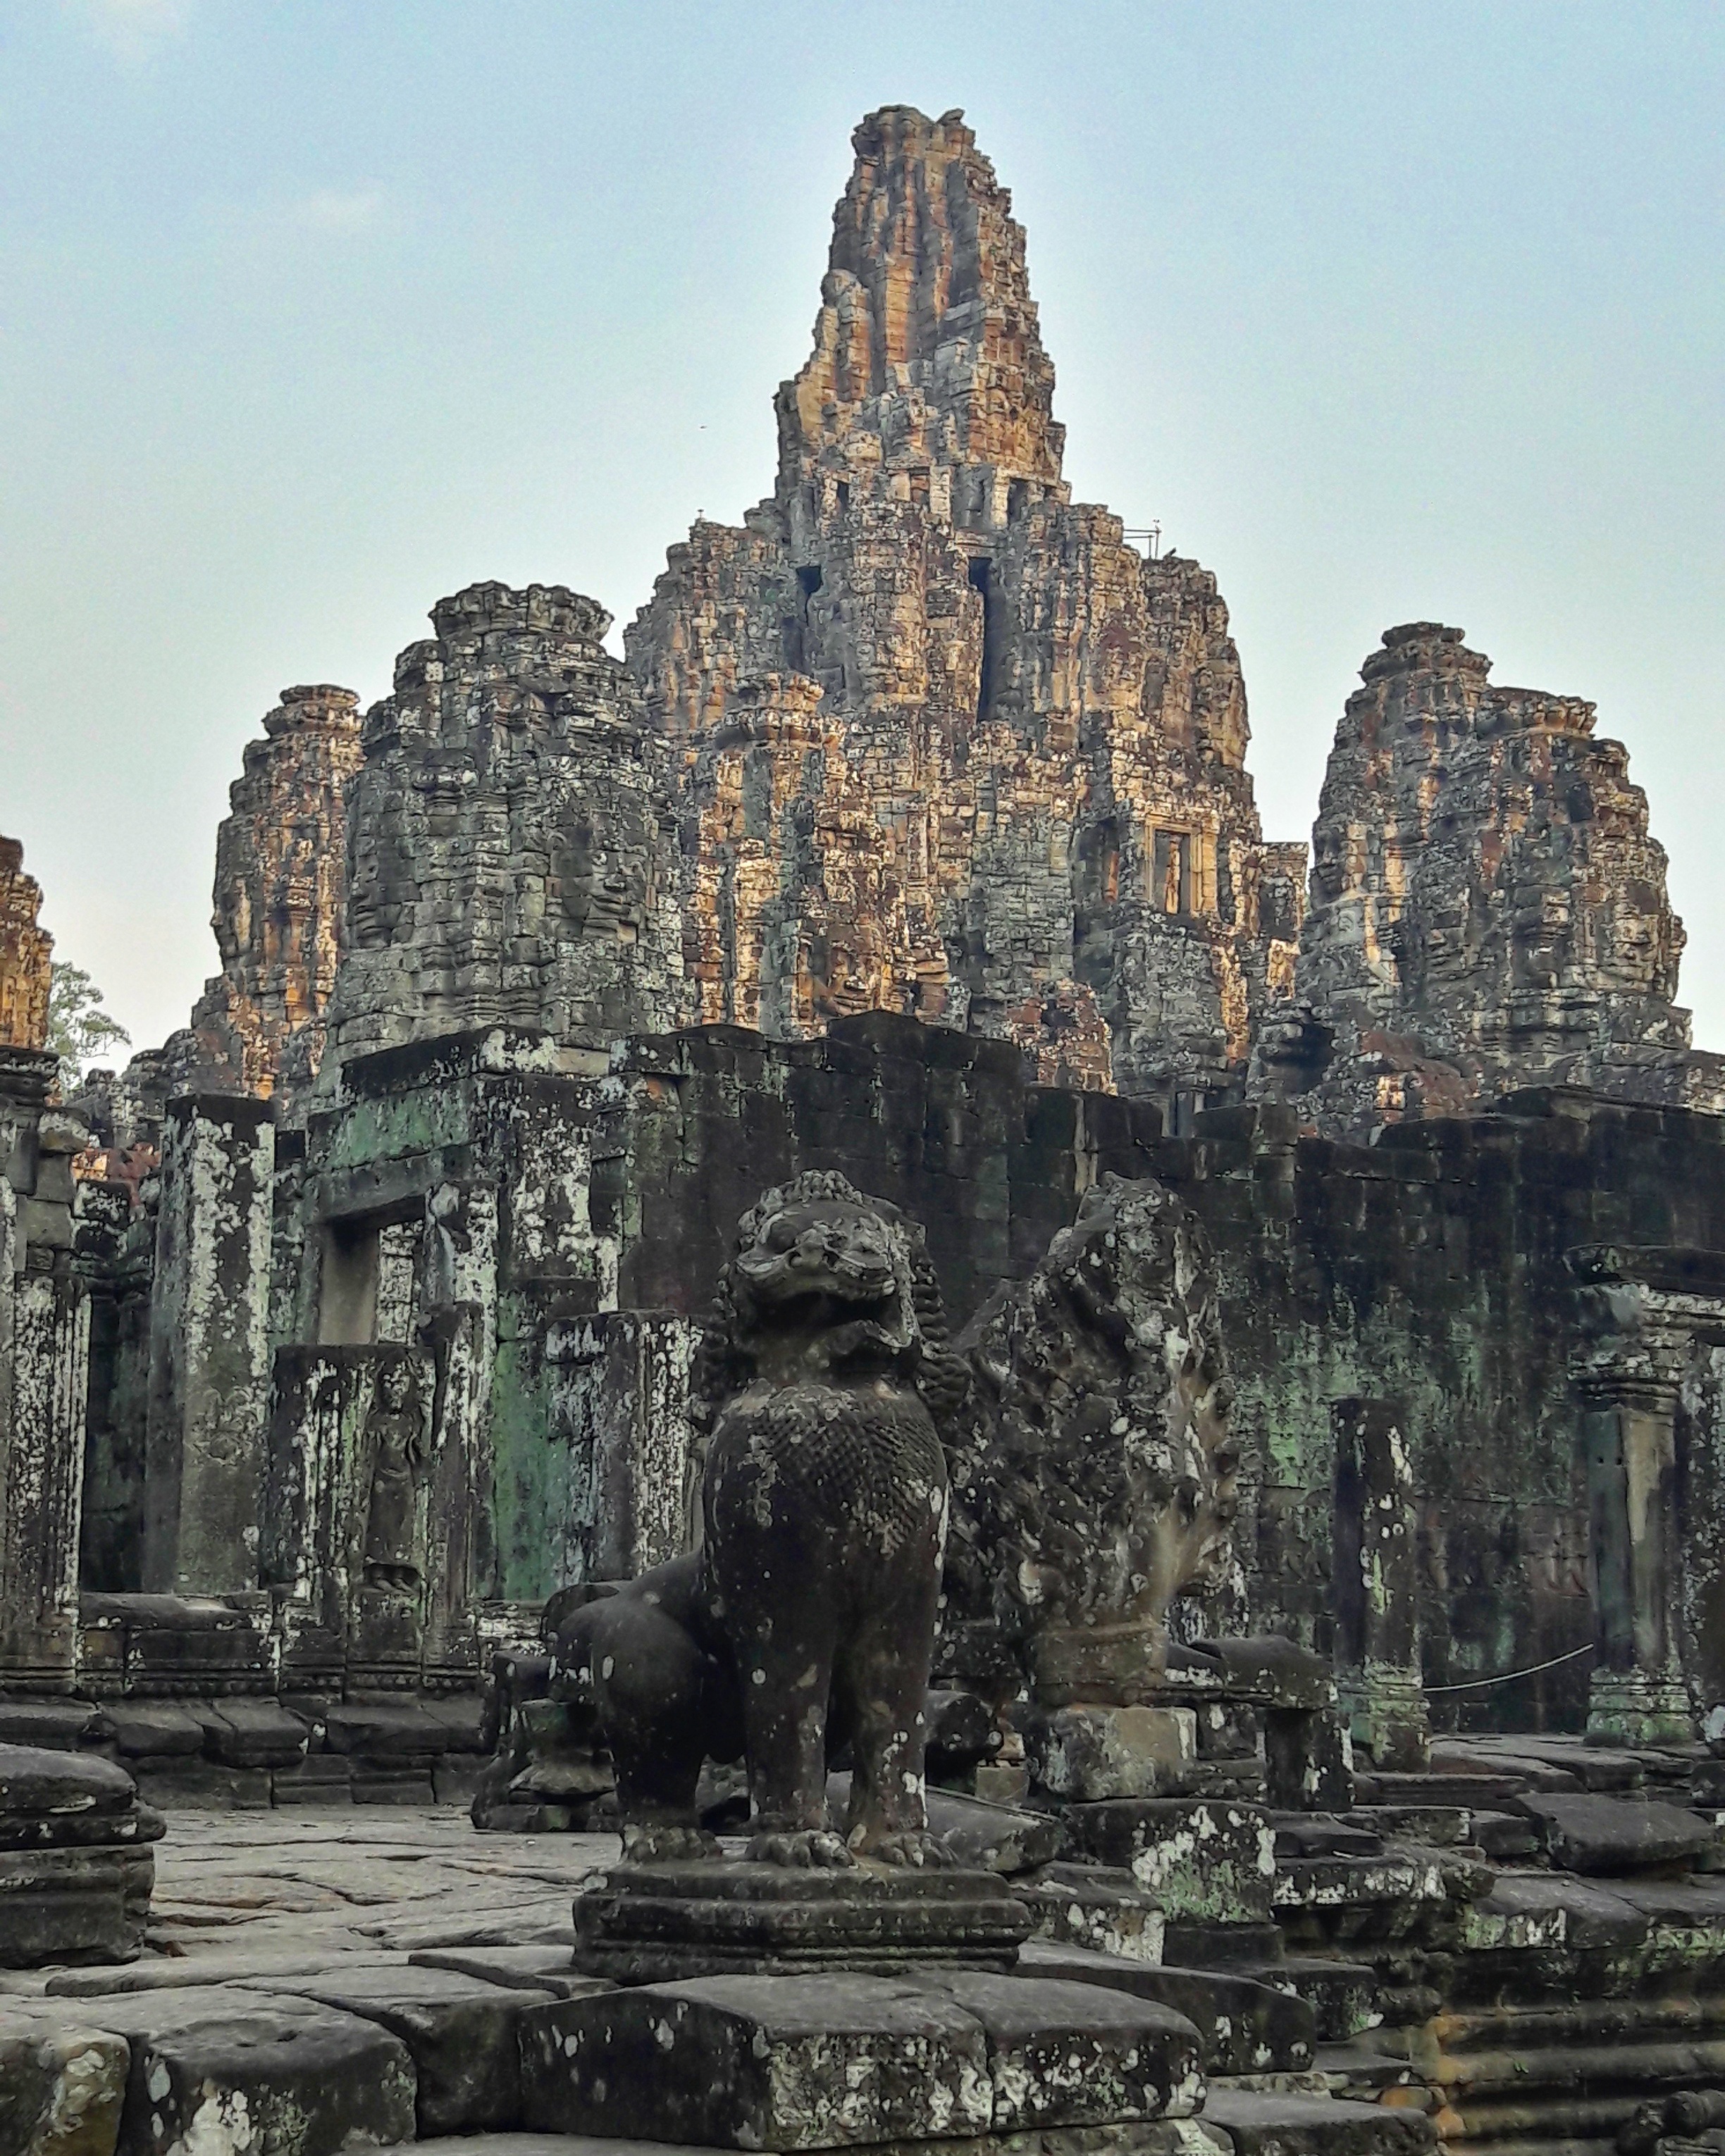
(79, 1029)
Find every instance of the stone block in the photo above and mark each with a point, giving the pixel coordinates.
(1088, 1754)
(69, 1905)
(128, 1830)
(57, 1725)
(253, 1733)
(1085, 1905)
(62, 2086)
(1589, 1834)
(35, 1778)
(321, 1778)
(218, 2070)
(657, 1923)
(1201, 1860)
(1539, 1911)
(386, 1728)
(758, 2062)
(1063, 2054)
(460, 2031)
(1262, 2124)
(398, 1782)
(1246, 2027)
(203, 1785)
(155, 1729)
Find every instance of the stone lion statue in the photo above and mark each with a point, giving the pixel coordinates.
(1094, 1477)
(805, 1619)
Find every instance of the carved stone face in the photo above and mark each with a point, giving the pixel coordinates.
(824, 1250)
(395, 1388)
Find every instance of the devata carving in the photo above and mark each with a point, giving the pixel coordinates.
(1095, 1481)
(395, 1429)
(806, 1618)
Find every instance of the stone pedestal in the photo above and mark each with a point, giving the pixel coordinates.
(1375, 1587)
(75, 1866)
(657, 1923)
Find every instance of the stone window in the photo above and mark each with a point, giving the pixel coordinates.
(1182, 872)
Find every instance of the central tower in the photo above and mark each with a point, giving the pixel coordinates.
(952, 745)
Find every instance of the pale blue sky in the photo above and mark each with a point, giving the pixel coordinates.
(312, 312)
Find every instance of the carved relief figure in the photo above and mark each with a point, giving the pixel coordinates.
(395, 1434)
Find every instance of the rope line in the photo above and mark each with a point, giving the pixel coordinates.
(1509, 1676)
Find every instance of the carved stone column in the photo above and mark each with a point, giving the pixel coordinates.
(1628, 1393)
(1375, 1587)
(44, 1375)
(206, 1446)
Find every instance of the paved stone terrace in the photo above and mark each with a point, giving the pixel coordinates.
(237, 1890)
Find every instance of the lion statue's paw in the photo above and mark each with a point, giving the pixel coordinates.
(670, 1845)
(914, 1850)
(810, 1848)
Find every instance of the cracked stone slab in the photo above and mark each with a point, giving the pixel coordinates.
(461, 2032)
(1063, 2054)
(759, 2062)
(1247, 2027)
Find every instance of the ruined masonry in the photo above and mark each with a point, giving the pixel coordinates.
(868, 1029)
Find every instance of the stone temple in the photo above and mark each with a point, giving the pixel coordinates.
(1099, 1440)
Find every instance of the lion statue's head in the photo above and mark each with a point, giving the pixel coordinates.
(824, 1282)
(1096, 1479)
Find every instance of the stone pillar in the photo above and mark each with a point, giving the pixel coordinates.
(1628, 1392)
(619, 1393)
(1375, 1587)
(44, 1375)
(206, 1442)
(458, 1328)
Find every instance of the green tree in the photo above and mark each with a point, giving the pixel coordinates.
(79, 1029)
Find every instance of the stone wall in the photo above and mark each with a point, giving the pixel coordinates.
(953, 747)
(279, 892)
(1440, 1271)
(509, 837)
(1488, 909)
(25, 952)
